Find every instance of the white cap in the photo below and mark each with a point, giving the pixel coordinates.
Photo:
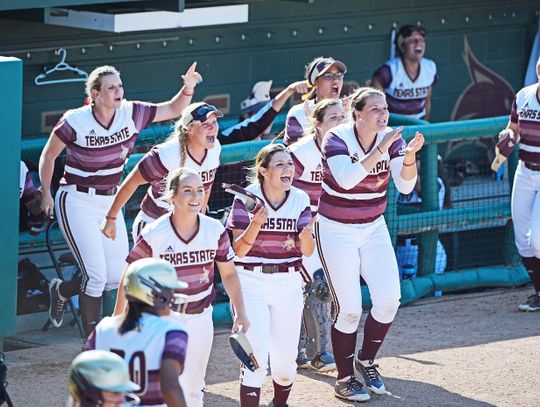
(260, 95)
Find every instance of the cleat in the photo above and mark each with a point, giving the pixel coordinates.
(351, 390)
(57, 304)
(371, 377)
(532, 304)
(302, 360)
(323, 362)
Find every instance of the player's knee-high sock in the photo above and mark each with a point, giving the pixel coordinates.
(532, 265)
(71, 287)
(374, 333)
(281, 394)
(249, 396)
(90, 308)
(343, 345)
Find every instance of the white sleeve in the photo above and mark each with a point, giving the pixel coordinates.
(346, 173)
(402, 185)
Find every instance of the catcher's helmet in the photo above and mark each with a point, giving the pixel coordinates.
(96, 370)
(152, 281)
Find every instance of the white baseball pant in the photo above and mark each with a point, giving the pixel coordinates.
(526, 211)
(348, 251)
(200, 329)
(102, 260)
(274, 305)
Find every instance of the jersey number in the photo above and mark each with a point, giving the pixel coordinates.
(137, 368)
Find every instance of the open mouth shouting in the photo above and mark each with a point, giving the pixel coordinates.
(210, 139)
(335, 91)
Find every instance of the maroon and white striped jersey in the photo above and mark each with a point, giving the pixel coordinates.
(143, 349)
(364, 201)
(193, 259)
(406, 95)
(307, 157)
(526, 114)
(164, 158)
(96, 155)
(297, 121)
(277, 241)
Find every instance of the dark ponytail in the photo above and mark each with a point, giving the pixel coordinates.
(133, 316)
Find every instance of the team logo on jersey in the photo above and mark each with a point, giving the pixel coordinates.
(354, 158)
(124, 152)
(288, 244)
(204, 278)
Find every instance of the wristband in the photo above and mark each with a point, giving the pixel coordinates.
(380, 151)
(187, 94)
(110, 217)
(409, 165)
(245, 241)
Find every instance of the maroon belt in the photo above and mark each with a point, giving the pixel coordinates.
(183, 308)
(270, 268)
(532, 167)
(105, 192)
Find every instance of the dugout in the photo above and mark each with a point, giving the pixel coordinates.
(469, 40)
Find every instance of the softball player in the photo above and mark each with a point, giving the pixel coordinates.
(307, 158)
(325, 78)
(100, 378)
(352, 237)
(99, 138)
(191, 242)
(154, 347)
(524, 126)
(269, 245)
(193, 144)
(408, 78)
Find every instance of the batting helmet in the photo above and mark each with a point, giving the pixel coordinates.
(152, 281)
(95, 371)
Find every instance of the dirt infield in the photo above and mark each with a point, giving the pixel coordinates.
(459, 350)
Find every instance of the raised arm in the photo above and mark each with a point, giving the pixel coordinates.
(173, 108)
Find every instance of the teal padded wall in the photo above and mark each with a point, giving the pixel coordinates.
(10, 134)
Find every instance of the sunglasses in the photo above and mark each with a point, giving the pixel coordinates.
(331, 76)
(201, 112)
(251, 201)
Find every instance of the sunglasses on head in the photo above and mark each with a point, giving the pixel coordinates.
(331, 76)
(201, 112)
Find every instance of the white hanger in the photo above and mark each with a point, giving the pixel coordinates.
(61, 66)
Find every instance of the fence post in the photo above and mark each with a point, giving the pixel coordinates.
(391, 212)
(427, 241)
(10, 134)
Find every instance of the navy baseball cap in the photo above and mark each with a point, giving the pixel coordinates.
(199, 112)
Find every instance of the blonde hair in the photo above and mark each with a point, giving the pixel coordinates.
(359, 98)
(318, 113)
(263, 158)
(94, 79)
(180, 134)
(173, 181)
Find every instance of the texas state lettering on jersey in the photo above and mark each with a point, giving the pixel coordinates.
(96, 155)
(308, 173)
(192, 259)
(526, 113)
(297, 121)
(143, 349)
(164, 158)
(404, 94)
(366, 201)
(277, 241)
